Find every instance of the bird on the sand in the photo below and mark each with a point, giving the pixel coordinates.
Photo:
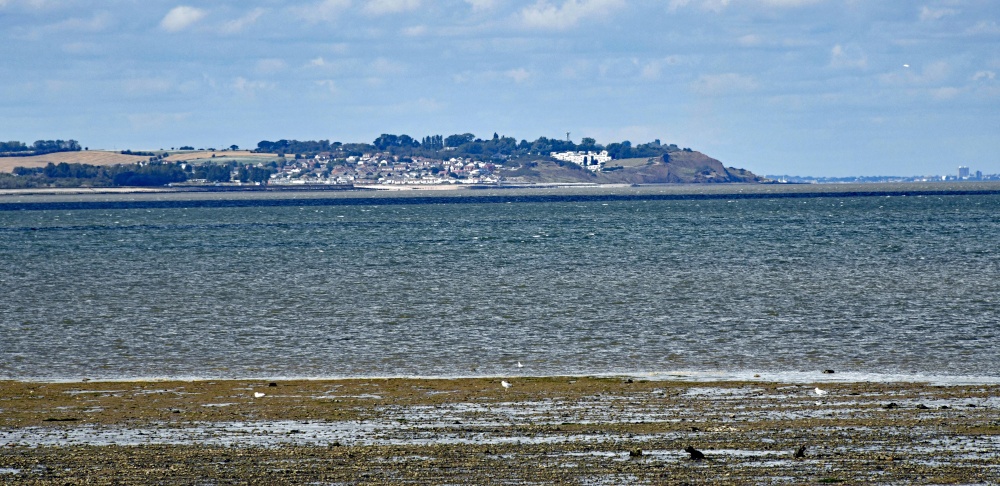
(820, 392)
(259, 395)
(800, 452)
(505, 384)
(696, 455)
(519, 365)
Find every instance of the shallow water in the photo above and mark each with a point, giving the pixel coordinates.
(467, 286)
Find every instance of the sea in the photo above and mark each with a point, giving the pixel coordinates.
(872, 282)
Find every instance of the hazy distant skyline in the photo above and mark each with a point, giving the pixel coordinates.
(805, 87)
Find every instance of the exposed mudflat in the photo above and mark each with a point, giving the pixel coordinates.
(461, 431)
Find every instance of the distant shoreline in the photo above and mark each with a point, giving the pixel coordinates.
(140, 198)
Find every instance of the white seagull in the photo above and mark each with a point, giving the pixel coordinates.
(519, 365)
(506, 384)
(820, 392)
(258, 395)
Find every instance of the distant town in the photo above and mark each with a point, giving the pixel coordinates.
(398, 160)
(391, 160)
(962, 174)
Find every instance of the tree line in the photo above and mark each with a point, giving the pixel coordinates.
(462, 145)
(40, 147)
(147, 174)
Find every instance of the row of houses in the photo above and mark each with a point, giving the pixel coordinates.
(381, 168)
(589, 160)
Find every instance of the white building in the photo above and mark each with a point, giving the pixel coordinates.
(589, 160)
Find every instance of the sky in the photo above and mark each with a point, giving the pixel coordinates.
(799, 87)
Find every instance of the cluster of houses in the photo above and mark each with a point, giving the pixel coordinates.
(382, 168)
(589, 160)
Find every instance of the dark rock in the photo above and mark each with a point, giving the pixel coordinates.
(923, 407)
(800, 452)
(829, 372)
(272, 384)
(696, 455)
(892, 406)
(635, 452)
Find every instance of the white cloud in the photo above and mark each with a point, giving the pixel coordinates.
(544, 15)
(945, 93)
(984, 28)
(930, 74)
(386, 66)
(984, 76)
(382, 7)
(651, 71)
(928, 14)
(415, 31)
(478, 5)
(726, 83)
(330, 65)
(519, 75)
(328, 85)
(268, 66)
(99, 22)
(250, 88)
(35, 4)
(96, 23)
(324, 11)
(750, 40)
(850, 57)
(576, 69)
(238, 25)
(181, 18)
(720, 5)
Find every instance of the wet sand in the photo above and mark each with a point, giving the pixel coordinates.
(474, 431)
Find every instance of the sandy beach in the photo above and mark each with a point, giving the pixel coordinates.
(573, 430)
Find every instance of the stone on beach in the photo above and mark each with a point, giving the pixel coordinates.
(696, 455)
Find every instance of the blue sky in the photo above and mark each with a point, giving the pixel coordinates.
(804, 87)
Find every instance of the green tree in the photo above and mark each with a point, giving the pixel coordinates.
(458, 140)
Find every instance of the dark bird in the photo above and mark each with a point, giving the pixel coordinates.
(696, 455)
(800, 452)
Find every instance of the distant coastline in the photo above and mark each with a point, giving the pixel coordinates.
(109, 198)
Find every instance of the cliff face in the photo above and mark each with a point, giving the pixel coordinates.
(684, 167)
(681, 167)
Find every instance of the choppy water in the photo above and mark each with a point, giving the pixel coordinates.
(363, 286)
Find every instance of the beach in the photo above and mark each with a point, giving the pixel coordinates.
(540, 430)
